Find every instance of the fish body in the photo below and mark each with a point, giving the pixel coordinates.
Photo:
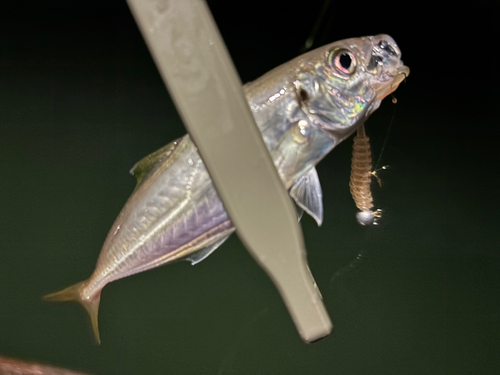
(303, 109)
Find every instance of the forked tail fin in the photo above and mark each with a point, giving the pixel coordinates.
(73, 293)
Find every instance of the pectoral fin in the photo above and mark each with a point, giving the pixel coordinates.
(143, 168)
(306, 192)
(299, 211)
(205, 252)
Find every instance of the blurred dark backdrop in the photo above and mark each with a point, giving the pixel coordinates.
(81, 101)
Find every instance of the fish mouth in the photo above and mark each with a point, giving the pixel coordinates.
(396, 77)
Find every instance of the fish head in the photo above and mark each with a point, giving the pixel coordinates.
(339, 85)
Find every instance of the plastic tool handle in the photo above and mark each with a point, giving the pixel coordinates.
(196, 67)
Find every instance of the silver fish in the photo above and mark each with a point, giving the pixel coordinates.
(303, 109)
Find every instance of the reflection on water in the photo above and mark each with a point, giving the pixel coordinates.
(360, 257)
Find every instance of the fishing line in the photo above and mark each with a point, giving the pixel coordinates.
(314, 32)
(395, 101)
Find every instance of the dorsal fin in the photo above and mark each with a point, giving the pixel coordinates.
(143, 168)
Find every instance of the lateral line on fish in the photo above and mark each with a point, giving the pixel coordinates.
(152, 233)
(182, 251)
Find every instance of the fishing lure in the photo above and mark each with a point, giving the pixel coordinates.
(361, 178)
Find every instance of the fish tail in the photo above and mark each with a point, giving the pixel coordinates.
(91, 304)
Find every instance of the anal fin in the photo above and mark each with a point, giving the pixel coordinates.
(205, 252)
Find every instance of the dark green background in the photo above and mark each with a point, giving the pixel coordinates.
(81, 101)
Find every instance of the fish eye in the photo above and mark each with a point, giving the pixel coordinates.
(343, 61)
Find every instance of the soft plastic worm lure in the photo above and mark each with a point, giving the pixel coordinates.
(361, 177)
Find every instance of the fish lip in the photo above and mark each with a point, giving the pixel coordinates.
(403, 69)
(398, 76)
